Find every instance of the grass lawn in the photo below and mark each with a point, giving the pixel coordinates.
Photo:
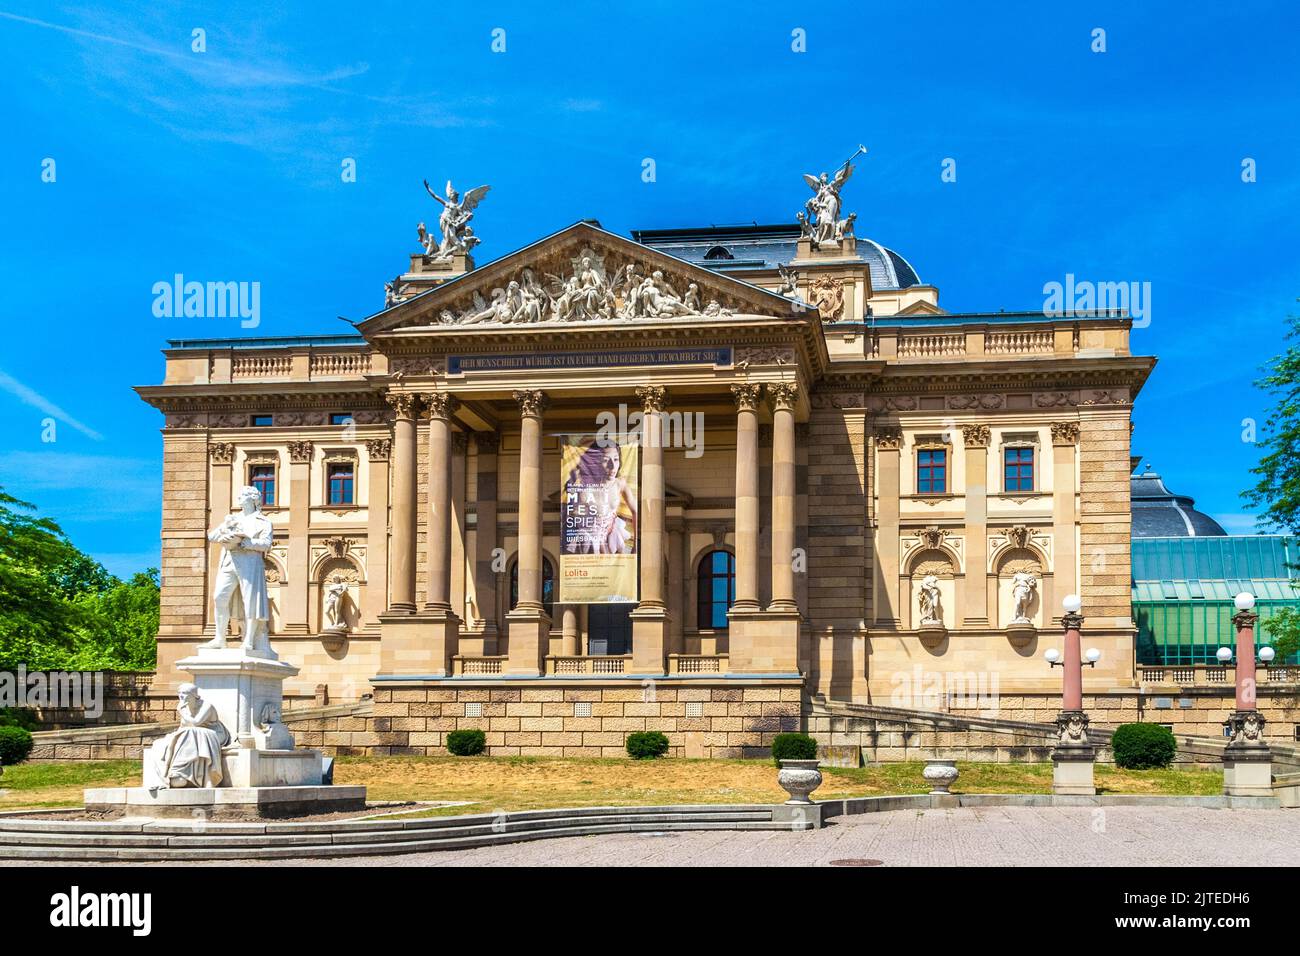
(529, 783)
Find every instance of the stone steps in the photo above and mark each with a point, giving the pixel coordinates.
(141, 840)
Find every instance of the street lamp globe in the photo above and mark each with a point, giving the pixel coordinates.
(1224, 654)
(1093, 655)
(1244, 601)
(1072, 603)
(1051, 655)
(1267, 653)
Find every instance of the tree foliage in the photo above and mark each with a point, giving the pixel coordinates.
(60, 609)
(1277, 490)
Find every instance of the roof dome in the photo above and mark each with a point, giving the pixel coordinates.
(1159, 513)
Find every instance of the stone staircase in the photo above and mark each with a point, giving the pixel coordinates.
(895, 733)
(149, 840)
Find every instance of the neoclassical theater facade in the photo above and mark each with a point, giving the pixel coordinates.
(844, 491)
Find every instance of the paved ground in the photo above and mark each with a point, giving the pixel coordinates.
(1000, 836)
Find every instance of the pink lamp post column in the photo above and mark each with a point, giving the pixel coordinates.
(1073, 756)
(1244, 620)
(1072, 684)
(1247, 761)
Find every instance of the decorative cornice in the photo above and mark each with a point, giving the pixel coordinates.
(300, 451)
(1065, 433)
(976, 436)
(654, 398)
(379, 449)
(889, 437)
(747, 396)
(532, 402)
(784, 395)
(221, 452)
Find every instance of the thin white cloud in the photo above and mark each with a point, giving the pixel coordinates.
(36, 400)
(77, 488)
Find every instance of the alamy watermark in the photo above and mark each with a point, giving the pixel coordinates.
(919, 689)
(179, 299)
(676, 430)
(1082, 297)
(57, 690)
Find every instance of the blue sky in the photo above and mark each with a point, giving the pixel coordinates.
(225, 165)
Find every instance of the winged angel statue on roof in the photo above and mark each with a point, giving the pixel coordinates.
(823, 209)
(457, 236)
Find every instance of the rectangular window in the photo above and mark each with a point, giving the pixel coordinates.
(1019, 469)
(340, 418)
(341, 483)
(262, 477)
(931, 471)
(260, 421)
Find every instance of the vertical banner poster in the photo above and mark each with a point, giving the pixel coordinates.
(598, 519)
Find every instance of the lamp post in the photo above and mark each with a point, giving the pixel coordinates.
(1247, 762)
(1074, 756)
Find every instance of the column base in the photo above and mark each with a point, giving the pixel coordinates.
(649, 638)
(1072, 771)
(529, 634)
(418, 643)
(763, 642)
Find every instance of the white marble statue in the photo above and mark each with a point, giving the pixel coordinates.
(453, 222)
(822, 211)
(1023, 585)
(336, 592)
(789, 280)
(190, 756)
(931, 613)
(245, 537)
(394, 292)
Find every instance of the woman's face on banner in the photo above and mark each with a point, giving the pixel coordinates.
(611, 460)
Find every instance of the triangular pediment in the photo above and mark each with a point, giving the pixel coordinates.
(581, 276)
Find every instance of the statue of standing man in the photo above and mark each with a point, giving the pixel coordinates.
(245, 537)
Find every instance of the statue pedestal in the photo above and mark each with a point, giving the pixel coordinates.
(1072, 771)
(932, 633)
(1021, 633)
(246, 691)
(805, 251)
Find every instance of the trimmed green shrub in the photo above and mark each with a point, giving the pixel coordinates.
(15, 745)
(646, 745)
(793, 747)
(23, 717)
(466, 743)
(1142, 746)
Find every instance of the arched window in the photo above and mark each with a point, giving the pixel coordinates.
(716, 589)
(548, 585)
(719, 252)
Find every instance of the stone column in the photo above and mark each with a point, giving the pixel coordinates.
(650, 618)
(530, 627)
(677, 559)
(747, 397)
(401, 562)
(293, 611)
(459, 530)
(222, 456)
(784, 395)
(885, 595)
(1065, 439)
(441, 407)
(485, 509)
(376, 597)
(976, 598)
(569, 631)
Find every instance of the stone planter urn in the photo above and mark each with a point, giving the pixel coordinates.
(940, 774)
(799, 778)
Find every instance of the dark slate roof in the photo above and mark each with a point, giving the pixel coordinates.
(1159, 513)
(723, 248)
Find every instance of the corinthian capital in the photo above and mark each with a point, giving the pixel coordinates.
(1065, 433)
(976, 436)
(440, 404)
(403, 403)
(784, 395)
(300, 451)
(654, 398)
(747, 396)
(222, 452)
(889, 437)
(532, 402)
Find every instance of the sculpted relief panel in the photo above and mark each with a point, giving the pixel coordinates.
(587, 287)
